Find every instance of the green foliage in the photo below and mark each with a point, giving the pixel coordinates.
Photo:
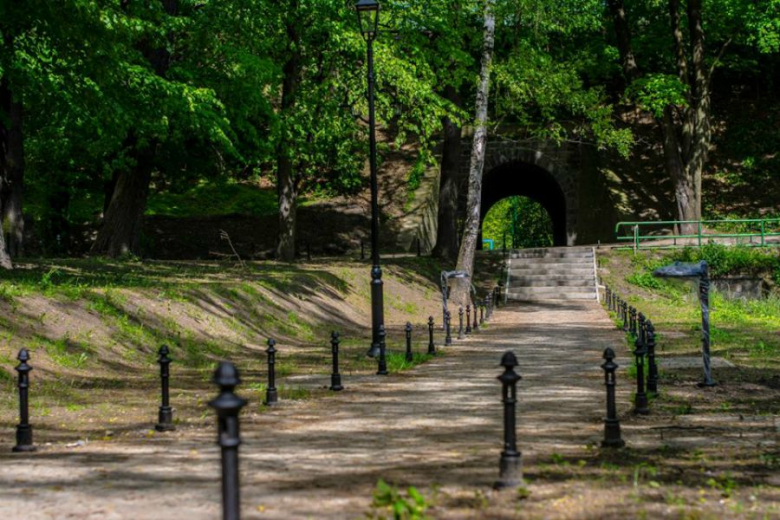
(214, 199)
(644, 279)
(728, 260)
(523, 221)
(412, 506)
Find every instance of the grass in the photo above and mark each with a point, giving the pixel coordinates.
(742, 331)
(209, 199)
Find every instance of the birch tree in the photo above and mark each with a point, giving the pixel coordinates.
(468, 245)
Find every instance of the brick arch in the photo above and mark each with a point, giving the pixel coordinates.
(537, 170)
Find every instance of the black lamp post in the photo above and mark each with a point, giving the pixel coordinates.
(368, 17)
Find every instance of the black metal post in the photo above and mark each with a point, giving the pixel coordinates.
(475, 327)
(431, 345)
(704, 299)
(481, 315)
(624, 310)
(409, 354)
(468, 319)
(377, 298)
(448, 329)
(611, 423)
(632, 321)
(640, 399)
(382, 363)
(24, 431)
(460, 322)
(510, 473)
(335, 377)
(228, 406)
(641, 328)
(652, 368)
(271, 395)
(165, 416)
(608, 297)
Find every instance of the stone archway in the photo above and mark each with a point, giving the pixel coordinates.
(538, 170)
(522, 179)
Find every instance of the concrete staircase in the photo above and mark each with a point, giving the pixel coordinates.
(556, 273)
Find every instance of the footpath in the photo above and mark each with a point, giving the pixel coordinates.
(437, 427)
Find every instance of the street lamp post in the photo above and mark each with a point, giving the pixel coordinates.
(368, 17)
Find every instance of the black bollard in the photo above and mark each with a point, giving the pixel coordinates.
(652, 368)
(624, 311)
(335, 377)
(608, 297)
(468, 319)
(641, 332)
(409, 354)
(611, 423)
(24, 432)
(448, 329)
(431, 345)
(510, 474)
(640, 399)
(632, 321)
(271, 395)
(382, 362)
(488, 300)
(228, 405)
(165, 416)
(475, 327)
(460, 322)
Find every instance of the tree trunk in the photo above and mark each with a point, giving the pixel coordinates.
(686, 132)
(447, 228)
(623, 35)
(285, 176)
(121, 230)
(460, 294)
(11, 165)
(5, 259)
(122, 223)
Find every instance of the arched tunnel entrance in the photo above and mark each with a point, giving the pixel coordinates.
(526, 180)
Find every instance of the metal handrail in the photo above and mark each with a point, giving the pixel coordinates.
(636, 237)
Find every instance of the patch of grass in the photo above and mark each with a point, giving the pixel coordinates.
(209, 198)
(64, 351)
(396, 361)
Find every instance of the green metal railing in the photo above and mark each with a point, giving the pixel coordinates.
(635, 233)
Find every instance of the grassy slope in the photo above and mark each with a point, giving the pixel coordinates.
(746, 333)
(93, 328)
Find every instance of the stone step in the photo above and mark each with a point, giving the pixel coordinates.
(550, 269)
(528, 276)
(518, 283)
(550, 260)
(554, 254)
(513, 296)
(546, 289)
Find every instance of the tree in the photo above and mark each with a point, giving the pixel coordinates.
(471, 232)
(678, 92)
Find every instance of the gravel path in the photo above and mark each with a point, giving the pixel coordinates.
(437, 424)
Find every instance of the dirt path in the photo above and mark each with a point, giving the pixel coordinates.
(437, 424)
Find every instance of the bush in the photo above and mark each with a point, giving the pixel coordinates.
(730, 260)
